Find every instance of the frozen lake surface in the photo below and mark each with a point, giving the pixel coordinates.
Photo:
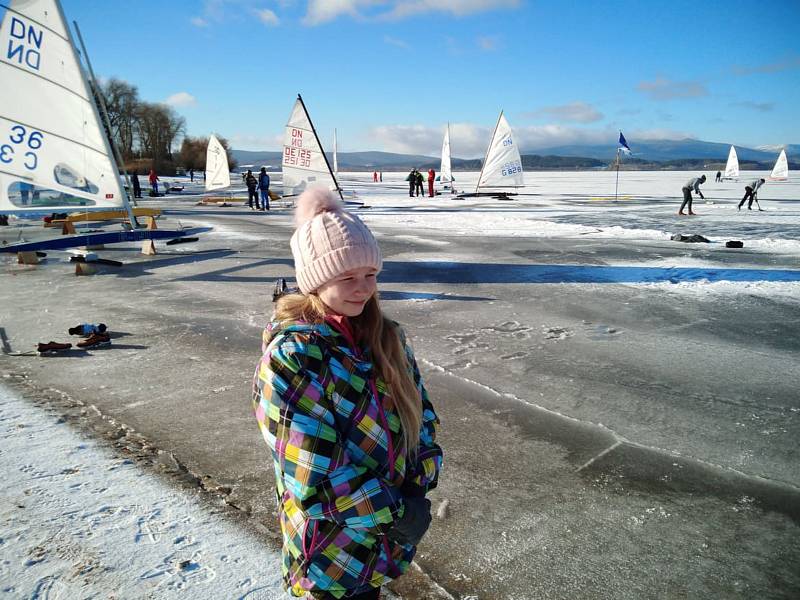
(637, 396)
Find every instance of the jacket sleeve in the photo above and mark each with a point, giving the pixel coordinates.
(297, 421)
(422, 474)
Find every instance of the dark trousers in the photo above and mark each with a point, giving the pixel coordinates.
(687, 199)
(420, 190)
(411, 186)
(252, 194)
(748, 195)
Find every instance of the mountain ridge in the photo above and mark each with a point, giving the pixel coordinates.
(687, 153)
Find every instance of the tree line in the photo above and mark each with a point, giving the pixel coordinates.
(147, 133)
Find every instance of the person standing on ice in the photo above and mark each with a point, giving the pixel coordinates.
(340, 402)
(374, 177)
(420, 188)
(137, 187)
(252, 186)
(751, 192)
(719, 176)
(263, 185)
(412, 181)
(691, 185)
(431, 179)
(153, 179)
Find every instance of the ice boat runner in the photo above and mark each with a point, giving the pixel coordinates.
(732, 166)
(54, 154)
(445, 170)
(502, 166)
(780, 171)
(304, 161)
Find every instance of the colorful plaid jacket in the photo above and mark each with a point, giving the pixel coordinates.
(321, 410)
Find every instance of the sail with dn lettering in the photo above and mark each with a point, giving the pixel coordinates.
(304, 162)
(54, 154)
(219, 176)
(502, 167)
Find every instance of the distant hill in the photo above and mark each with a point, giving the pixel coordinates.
(647, 155)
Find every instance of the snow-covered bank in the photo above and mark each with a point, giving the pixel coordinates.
(79, 521)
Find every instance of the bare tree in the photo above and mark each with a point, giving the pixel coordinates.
(193, 152)
(122, 100)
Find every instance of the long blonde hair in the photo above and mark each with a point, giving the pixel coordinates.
(372, 329)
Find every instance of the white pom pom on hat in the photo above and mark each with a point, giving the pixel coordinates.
(329, 240)
(314, 201)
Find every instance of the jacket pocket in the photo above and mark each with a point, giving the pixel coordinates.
(309, 545)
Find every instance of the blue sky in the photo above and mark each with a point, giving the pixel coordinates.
(388, 74)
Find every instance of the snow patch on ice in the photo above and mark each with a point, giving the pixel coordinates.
(80, 521)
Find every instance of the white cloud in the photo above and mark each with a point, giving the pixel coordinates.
(322, 11)
(181, 99)
(198, 22)
(783, 65)
(395, 42)
(487, 43)
(665, 89)
(759, 106)
(458, 8)
(267, 17)
(576, 112)
(470, 141)
(246, 141)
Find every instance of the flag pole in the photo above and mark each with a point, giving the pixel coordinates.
(616, 186)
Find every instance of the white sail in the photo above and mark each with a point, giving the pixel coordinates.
(781, 168)
(445, 172)
(218, 174)
(54, 155)
(335, 160)
(304, 162)
(732, 166)
(502, 166)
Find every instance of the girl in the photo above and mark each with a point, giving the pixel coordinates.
(340, 402)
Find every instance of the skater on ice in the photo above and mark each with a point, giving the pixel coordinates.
(339, 400)
(691, 185)
(751, 193)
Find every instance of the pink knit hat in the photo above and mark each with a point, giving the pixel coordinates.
(329, 240)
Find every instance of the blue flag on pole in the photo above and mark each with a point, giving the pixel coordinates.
(623, 144)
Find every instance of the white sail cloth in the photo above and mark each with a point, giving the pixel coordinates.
(502, 166)
(445, 170)
(732, 166)
(781, 168)
(54, 155)
(303, 161)
(218, 174)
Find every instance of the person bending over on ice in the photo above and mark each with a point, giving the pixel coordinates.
(750, 193)
(341, 404)
(692, 184)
